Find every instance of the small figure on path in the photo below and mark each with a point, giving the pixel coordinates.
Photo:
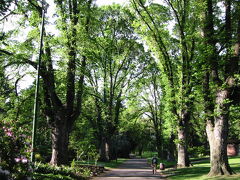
(154, 164)
(161, 166)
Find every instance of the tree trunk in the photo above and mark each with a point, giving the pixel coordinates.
(104, 150)
(217, 135)
(217, 116)
(183, 160)
(60, 141)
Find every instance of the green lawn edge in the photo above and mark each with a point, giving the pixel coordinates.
(200, 169)
(108, 165)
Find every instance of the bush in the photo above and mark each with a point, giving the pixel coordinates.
(14, 150)
(73, 172)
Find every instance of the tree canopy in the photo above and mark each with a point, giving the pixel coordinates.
(148, 76)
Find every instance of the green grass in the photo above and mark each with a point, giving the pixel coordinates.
(167, 164)
(148, 154)
(110, 164)
(200, 170)
(38, 176)
(113, 163)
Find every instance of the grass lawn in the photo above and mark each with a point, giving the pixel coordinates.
(110, 164)
(147, 154)
(38, 176)
(113, 163)
(200, 170)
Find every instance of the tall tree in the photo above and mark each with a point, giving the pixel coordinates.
(63, 115)
(220, 80)
(174, 63)
(118, 60)
(152, 96)
(62, 104)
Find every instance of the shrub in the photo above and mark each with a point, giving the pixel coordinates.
(73, 172)
(14, 150)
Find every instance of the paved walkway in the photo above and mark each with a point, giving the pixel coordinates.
(133, 169)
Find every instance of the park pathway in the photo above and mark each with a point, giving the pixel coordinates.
(133, 169)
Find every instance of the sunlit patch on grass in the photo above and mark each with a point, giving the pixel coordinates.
(200, 170)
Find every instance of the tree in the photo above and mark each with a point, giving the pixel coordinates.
(220, 80)
(174, 62)
(153, 100)
(118, 59)
(5, 8)
(61, 116)
(62, 101)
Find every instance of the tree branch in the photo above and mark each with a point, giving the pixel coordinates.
(12, 12)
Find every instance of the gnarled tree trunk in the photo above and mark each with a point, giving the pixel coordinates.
(217, 135)
(60, 141)
(217, 116)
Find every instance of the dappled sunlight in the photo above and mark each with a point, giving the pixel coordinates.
(200, 171)
(119, 89)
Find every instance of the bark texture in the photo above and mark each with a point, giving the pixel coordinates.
(217, 133)
(181, 149)
(183, 159)
(104, 150)
(60, 141)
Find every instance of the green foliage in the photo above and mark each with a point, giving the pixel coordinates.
(198, 151)
(14, 152)
(234, 123)
(83, 142)
(135, 127)
(4, 6)
(118, 101)
(65, 171)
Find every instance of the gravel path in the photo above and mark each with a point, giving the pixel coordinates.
(133, 169)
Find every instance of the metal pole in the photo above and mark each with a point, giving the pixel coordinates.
(36, 104)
